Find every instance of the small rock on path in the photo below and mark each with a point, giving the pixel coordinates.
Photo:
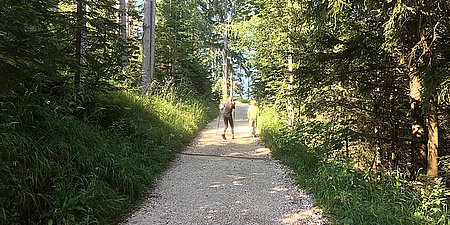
(217, 181)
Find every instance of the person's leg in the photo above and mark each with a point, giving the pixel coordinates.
(232, 126)
(253, 127)
(225, 126)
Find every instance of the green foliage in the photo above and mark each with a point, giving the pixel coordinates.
(60, 169)
(354, 197)
(182, 40)
(347, 195)
(344, 61)
(435, 200)
(31, 44)
(84, 155)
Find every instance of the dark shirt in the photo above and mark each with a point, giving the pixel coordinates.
(228, 109)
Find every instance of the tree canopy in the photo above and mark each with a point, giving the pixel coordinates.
(376, 71)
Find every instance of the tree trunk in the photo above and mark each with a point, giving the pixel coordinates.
(290, 106)
(225, 51)
(148, 59)
(212, 64)
(123, 29)
(417, 124)
(248, 87)
(152, 40)
(80, 42)
(249, 77)
(394, 155)
(232, 86)
(225, 64)
(433, 141)
(432, 119)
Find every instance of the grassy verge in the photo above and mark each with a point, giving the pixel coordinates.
(91, 167)
(346, 195)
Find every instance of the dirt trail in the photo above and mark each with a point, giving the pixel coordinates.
(217, 181)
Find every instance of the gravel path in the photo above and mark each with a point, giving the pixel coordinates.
(217, 181)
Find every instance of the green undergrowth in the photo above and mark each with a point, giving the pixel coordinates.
(346, 195)
(90, 165)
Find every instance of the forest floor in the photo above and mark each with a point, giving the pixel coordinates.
(233, 181)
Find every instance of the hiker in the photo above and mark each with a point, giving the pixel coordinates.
(228, 108)
(252, 115)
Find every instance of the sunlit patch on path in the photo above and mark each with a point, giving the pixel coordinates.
(233, 181)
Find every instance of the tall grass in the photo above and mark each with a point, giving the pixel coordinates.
(347, 195)
(89, 169)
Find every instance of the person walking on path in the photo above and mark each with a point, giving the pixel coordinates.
(252, 115)
(228, 108)
(212, 182)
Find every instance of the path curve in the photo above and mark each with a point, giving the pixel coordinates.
(217, 181)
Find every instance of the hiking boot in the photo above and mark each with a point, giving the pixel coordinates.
(223, 136)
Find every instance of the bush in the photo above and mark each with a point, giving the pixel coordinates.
(348, 196)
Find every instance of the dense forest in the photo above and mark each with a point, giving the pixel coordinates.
(363, 88)
(93, 105)
(378, 69)
(351, 91)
